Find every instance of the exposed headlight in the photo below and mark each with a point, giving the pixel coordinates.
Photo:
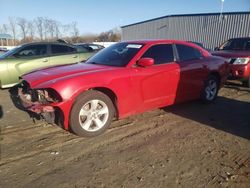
(47, 95)
(241, 61)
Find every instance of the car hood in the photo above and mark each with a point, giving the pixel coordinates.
(230, 54)
(61, 72)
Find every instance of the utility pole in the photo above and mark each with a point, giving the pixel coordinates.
(221, 10)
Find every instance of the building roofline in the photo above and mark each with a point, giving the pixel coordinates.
(180, 15)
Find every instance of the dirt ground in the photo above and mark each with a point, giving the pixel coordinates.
(186, 145)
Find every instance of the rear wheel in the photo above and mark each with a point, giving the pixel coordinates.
(246, 83)
(210, 90)
(91, 114)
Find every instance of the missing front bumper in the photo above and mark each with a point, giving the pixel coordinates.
(35, 107)
(43, 110)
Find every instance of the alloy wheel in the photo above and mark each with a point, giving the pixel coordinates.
(93, 115)
(211, 89)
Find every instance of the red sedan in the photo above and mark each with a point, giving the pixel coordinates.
(124, 79)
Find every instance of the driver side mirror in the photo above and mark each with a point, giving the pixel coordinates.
(145, 62)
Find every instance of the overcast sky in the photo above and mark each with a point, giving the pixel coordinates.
(95, 16)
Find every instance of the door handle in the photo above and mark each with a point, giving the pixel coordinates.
(75, 56)
(45, 60)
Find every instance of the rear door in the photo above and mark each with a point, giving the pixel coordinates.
(63, 54)
(193, 72)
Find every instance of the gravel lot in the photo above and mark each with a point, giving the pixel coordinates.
(186, 145)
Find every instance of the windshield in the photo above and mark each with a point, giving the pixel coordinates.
(116, 55)
(9, 53)
(236, 44)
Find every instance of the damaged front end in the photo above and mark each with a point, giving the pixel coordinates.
(39, 101)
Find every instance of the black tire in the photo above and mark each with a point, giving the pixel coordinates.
(90, 104)
(209, 93)
(246, 83)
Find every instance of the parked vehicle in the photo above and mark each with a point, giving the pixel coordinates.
(3, 50)
(32, 56)
(124, 79)
(90, 47)
(237, 50)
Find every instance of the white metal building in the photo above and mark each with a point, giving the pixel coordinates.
(210, 29)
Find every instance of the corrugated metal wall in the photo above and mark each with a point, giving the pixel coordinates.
(209, 29)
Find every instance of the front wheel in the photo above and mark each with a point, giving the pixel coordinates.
(210, 89)
(91, 114)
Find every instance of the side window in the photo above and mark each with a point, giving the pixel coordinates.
(82, 49)
(61, 49)
(247, 45)
(187, 53)
(162, 53)
(94, 47)
(72, 50)
(32, 50)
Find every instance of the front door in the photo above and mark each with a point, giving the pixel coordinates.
(157, 85)
(27, 59)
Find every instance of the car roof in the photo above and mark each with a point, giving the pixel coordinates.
(238, 38)
(149, 41)
(87, 44)
(35, 43)
(158, 41)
